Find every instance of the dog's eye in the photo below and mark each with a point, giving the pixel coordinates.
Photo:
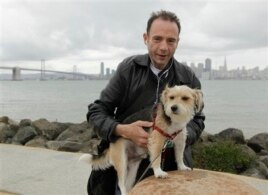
(171, 97)
(185, 98)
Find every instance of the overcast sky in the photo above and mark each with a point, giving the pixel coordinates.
(87, 32)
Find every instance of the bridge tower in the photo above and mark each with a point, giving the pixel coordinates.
(16, 74)
(43, 69)
(75, 76)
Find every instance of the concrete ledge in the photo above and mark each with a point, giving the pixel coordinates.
(36, 171)
(201, 182)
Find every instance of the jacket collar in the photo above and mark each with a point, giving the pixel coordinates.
(180, 69)
(142, 60)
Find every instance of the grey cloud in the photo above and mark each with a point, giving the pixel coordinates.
(56, 29)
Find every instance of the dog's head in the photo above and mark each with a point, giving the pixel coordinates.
(181, 102)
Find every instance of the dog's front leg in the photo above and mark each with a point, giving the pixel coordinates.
(180, 142)
(156, 143)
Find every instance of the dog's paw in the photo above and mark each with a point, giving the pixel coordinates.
(184, 168)
(159, 173)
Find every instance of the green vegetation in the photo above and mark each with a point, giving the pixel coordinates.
(224, 156)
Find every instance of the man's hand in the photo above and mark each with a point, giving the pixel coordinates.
(134, 132)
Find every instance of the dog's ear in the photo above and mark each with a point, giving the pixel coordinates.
(199, 103)
(164, 94)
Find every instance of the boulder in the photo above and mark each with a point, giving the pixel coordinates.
(38, 141)
(259, 142)
(4, 119)
(67, 146)
(263, 153)
(47, 129)
(24, 135)
(5, 132)
(193, 182)
(231, 134)
(8, 121)
(204, 137)
(264, 159)
(258, 170)
(25, 122)
(77, 133)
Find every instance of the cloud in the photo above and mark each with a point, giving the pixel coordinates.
(112, 29)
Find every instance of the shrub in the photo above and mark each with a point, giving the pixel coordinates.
(224, 156)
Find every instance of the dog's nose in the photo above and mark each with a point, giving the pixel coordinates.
(174, 108)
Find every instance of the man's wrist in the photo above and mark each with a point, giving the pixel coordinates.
(120, 130)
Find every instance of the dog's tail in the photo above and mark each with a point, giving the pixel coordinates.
(97, 162)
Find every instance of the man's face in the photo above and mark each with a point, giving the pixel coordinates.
(162, 41)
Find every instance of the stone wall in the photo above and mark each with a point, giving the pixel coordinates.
(81, 138)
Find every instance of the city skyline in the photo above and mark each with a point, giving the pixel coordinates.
(203, 70)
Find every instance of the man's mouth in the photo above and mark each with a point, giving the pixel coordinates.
(162, 56)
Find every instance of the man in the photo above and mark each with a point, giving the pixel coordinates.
(137, 84)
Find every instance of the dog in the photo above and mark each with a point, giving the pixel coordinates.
(177, 107)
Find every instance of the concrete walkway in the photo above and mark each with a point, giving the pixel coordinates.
(35, 171)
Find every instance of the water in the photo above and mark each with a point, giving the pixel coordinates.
(238, 104)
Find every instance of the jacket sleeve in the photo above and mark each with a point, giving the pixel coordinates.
(196, 126)
(101, 112)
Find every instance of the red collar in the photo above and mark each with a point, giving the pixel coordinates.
(171, 137)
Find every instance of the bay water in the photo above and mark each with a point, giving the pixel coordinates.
(241, 104)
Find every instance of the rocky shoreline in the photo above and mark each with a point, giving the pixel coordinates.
(81, 138)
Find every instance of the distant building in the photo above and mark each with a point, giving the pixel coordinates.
(208, 65)
(108, 72)
(200, 69)
(101, 70)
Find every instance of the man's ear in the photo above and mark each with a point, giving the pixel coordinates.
(145, 38)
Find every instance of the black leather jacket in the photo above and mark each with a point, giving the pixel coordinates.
(134, 87)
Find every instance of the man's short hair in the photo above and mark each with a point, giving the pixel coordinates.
(165, 15)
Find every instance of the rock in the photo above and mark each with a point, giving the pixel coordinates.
(7, 120)
(64, 146)
(47, 129)
(263, 153)
(77, 133)
(204, 137)
(6, 134)
(24, 135)
(258, 170)
(232, 134)
(38, 141)
(193, 182)
(253, 172)
(14, 127)
(264, 160)
(4, 119)
(259, 142)
(247, 150)
(25, 122)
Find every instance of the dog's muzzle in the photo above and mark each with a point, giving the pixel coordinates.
(175, 109)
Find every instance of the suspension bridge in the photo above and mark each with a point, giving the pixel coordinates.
(17, 72)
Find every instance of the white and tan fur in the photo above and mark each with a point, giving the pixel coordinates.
(178, 106)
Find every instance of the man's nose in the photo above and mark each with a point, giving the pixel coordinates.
(163, 45)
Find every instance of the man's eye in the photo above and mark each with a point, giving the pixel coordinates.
(157, 39)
